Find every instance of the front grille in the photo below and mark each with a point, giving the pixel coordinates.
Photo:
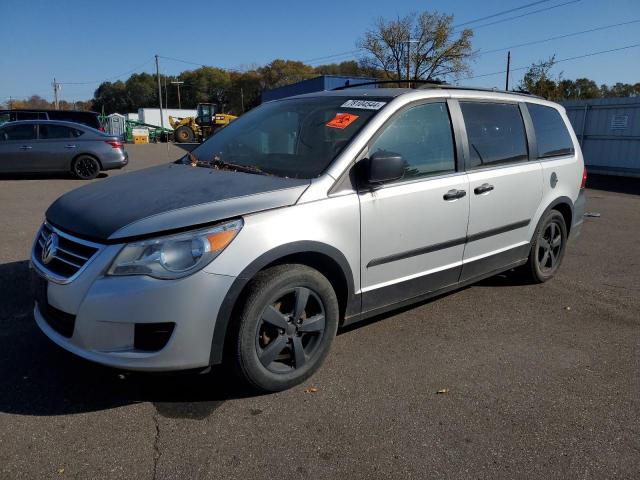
(70, 256)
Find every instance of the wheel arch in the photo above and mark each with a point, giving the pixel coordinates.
(562, 204)
(326, 259)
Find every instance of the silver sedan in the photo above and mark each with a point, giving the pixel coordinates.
(54, 146)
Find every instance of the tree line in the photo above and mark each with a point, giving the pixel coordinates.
(419, 46)
(539, 81)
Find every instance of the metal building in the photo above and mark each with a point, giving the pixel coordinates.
(609, 133)
(316, 84)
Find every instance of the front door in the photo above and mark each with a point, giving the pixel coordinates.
(414, 229)
(505, 188)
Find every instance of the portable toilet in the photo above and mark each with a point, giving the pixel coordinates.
(116, 125)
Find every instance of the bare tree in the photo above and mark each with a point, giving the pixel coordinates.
(418, 46)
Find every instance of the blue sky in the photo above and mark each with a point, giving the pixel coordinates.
(89, 41)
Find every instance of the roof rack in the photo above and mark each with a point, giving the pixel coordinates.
(387, 82)
(424, 84)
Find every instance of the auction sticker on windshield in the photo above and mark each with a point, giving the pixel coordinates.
(363, 104)
(342, 120)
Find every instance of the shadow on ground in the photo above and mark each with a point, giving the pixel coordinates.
(614, 184)
(45, 176)
(39, 378)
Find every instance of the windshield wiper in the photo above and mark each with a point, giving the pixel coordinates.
(218, 164)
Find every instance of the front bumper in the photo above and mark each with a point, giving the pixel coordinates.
(107, 309)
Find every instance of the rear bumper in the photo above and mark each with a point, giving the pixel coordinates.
(578, 216)
(115, 161)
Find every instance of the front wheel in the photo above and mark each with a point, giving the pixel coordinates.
(184, 134)
(547, 249)
(285, 328)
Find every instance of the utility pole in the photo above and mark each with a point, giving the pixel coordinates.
(56, 88)
(159, 94)
(178, 83)
(10, 103)
(506, 87)
(409, 42)
(242, 99)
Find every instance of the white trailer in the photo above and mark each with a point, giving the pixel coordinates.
(151, 116)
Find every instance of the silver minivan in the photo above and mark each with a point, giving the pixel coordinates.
(304, 215)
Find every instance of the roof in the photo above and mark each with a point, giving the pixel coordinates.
(51, 122)
(46, 110)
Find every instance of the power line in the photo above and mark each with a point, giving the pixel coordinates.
(534, 42)
(351, 52)
(557, 61)
(198, 64)
(504, 12)
(313, 60)
(508, 19)
(109, 78)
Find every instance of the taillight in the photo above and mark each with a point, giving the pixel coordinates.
(583, 184)
(114, 143)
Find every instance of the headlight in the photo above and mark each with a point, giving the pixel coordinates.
(174, 256)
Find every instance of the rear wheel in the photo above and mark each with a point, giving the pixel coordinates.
(184, 134)
(547, 250)
(285, 328)
(85, 167)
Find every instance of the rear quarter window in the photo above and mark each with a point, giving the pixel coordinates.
(552, 137)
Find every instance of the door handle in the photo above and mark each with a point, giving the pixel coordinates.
(25, 147)
(484, 188)
(70, 146)
(454, 194)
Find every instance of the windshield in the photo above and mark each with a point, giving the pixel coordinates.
(296, 138)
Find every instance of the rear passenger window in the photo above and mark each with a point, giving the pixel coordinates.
(552, 136)
(496, 133)
(422, 135)
(50, 132)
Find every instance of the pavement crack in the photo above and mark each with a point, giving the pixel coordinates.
(156, 444)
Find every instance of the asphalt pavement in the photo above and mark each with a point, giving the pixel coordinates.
(539, 381)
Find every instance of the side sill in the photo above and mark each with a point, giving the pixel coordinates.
(425, 296)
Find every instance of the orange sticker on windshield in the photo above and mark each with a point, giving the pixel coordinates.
(342, 120)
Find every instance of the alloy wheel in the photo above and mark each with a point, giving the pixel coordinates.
(549, 247)
(87, 167)
(290, 330)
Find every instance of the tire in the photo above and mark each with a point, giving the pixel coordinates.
(547, 249)
(285, 327)
(184, 134)
(85, 167)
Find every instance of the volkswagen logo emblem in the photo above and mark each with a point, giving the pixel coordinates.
(50, 248)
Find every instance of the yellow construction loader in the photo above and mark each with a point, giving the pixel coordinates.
(200, 127)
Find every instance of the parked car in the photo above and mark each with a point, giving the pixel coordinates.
(90, 119)
(48, 146)
(305, 214)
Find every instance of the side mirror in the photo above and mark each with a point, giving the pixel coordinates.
(385, 166)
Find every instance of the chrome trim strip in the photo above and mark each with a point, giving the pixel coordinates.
(52, 277)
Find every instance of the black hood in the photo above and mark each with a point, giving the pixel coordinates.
(167, 197)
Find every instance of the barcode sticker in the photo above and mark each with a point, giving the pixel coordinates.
(363, 104)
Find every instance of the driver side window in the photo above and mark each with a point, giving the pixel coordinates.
(422, 135)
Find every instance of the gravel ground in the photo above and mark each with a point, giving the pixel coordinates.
(543, 381)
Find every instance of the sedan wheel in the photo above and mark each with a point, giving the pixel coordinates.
(86, 168)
